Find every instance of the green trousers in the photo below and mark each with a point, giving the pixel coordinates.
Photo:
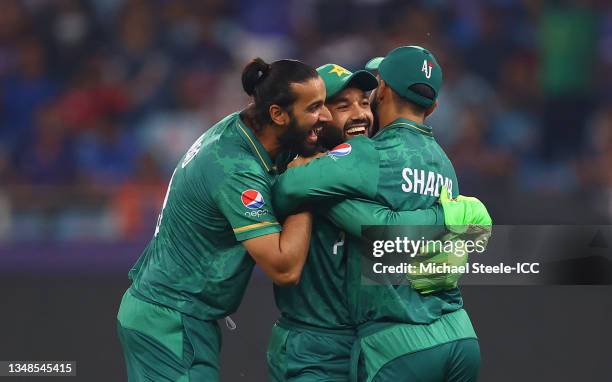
(299, 353)
(456, 361)
(446, 350)
(160, 344)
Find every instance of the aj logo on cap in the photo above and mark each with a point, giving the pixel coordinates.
(427, 67)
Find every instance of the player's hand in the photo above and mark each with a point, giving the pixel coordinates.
(451, 251)
(466, 218)
(464, 213)
(300, 161)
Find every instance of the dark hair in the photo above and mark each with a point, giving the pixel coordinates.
(269, 84)
(423, 90)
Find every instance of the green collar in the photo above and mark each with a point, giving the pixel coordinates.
(403, 122)
(256, 148)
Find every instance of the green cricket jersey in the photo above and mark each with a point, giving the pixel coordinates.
(218, 196)
(402, 167)
(319, 298)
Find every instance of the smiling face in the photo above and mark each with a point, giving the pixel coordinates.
(308, 115)
(351, 116)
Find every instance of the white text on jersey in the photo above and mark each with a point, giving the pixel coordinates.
(424, 182)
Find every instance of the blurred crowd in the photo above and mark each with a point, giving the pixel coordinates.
(100, 98)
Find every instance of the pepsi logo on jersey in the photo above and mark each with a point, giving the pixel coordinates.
(253, 200)
(341, 150)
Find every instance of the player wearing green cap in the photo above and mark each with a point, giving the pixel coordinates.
(313, 339)
(196, 268)
(402, 166)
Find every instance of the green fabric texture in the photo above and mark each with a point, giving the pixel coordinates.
(297, 353)
(161, 344)
(319, 299)
(156, 321)
(218, 196)
(147, 360)
(457, 361)
(352, 214)
(402, 167)
(406, 66)
(382, 347)
(337, 78)
(276, 355)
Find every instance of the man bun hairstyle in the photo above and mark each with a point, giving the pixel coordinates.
(270, 84)
(253, 74)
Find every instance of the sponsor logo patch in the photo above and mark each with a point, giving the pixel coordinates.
(252, 199)
(341, 150)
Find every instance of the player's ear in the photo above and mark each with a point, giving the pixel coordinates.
(278, 115)
(382, 90)
(431, 109)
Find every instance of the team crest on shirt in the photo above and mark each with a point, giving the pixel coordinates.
(252, 199)
(341, 150)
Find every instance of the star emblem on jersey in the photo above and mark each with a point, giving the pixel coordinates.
(340, 71)
(341, 150)
(252, 199)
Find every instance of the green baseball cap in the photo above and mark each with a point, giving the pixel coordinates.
(406, 66)
(337, 78)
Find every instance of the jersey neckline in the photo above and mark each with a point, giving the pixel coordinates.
(254, 145)
(406, 123)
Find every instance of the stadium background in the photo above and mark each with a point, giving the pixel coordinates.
(99, 99)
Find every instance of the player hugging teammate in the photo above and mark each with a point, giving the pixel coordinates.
(416, 332)
(219, 218)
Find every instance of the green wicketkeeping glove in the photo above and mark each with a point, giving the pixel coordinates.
(430, 281)
(464, 213)
(466, 218)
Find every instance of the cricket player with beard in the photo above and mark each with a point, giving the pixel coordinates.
(317, 330)
(405, 332)
(216, 222)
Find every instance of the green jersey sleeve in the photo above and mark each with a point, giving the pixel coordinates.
(351, 214)
(244, 200)
(348, 170)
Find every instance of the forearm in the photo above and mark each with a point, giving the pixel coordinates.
(350, 215)
(281, 255)
(297, 187)
(294, 244)
(327, 178)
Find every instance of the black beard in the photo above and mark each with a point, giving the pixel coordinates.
(330, 137)
(294, 140)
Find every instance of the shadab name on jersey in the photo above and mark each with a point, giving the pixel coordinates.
(424, 182)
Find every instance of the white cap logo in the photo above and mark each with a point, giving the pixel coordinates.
(427, 66)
